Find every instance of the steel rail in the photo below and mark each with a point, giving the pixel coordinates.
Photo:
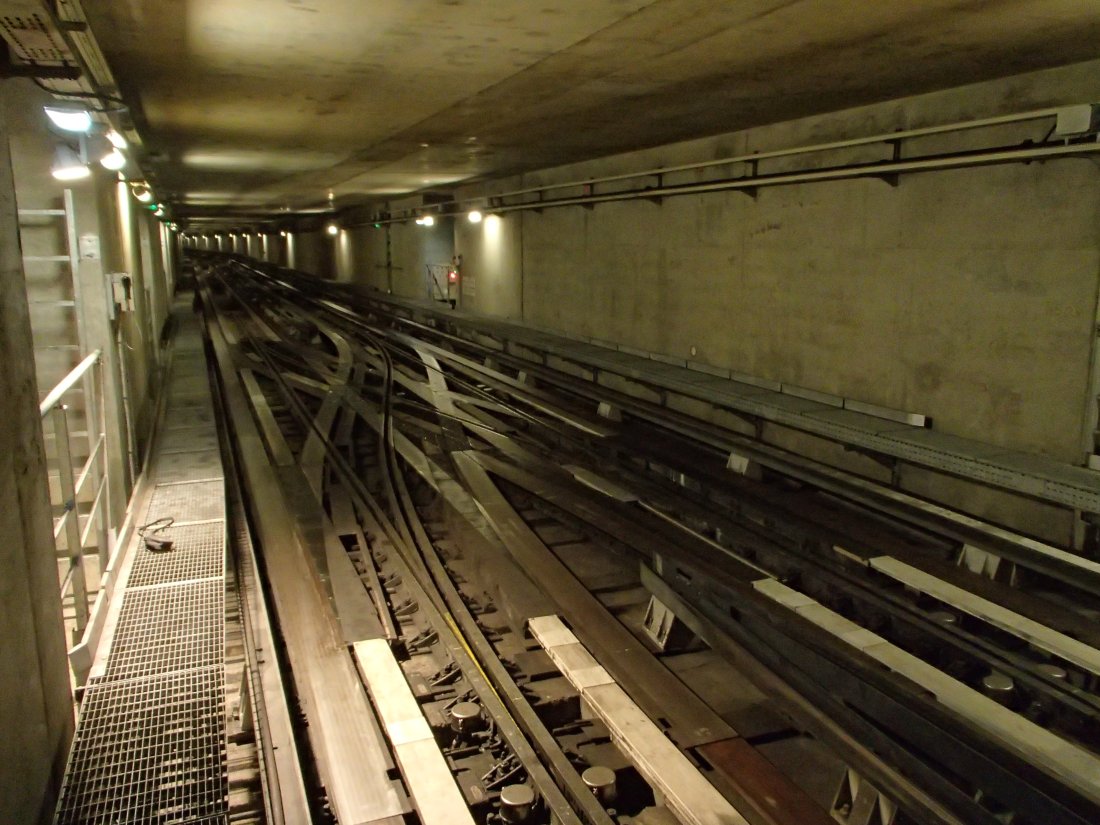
(944, 721)
(728, 601)
(465, 643)
(742, 529)
(1068, 568)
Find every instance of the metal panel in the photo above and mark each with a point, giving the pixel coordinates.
(1074, 766)
(429, 780)
(685, 790)
(1036, 634)
(1026, 473)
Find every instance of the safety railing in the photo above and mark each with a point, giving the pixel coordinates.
(83, 492)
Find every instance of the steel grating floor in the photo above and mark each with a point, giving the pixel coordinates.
(198, 500)
(198, 552)
(150, 744)
(168, 629)
(150, 751)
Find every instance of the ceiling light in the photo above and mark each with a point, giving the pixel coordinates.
(427, 220)
(116, 138)
(67, 165)
(159, 211)
(474, 216)
(284, 233)
(113, 160)
(71, 120)
(332, 229)
(143, 193)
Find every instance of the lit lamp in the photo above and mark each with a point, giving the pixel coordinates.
(113, 160)
(333, 229)
(68, 166)
(69, 119)
(474, 216)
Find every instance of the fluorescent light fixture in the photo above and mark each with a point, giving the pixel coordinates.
(113, 160)
(427, 220)
(70, 120)
(332, 229)
(116, 139)
(67, 165)
(474, 216)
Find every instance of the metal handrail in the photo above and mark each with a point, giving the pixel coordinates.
(73, 480)
(67, 383)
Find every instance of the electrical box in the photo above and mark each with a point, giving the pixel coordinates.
(121, 293)
(89, 247)
(1073, 121)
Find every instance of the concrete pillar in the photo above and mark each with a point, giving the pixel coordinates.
(36, 714)
(99, 254)
(171, 250)
(152, 264)
(138, 342)
(314, 252)
(345, 262)
(492, 264)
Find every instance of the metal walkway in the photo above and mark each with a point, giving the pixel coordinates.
(150, 743)
(832, 417)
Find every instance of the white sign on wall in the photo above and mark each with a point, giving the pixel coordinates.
(89, 247)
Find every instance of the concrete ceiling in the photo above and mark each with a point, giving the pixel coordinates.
(268, 105)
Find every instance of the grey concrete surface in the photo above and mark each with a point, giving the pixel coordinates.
(267, 103)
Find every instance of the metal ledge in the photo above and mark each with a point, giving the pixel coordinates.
(1030, 474)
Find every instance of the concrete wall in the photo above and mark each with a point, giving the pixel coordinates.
(315, 252)
(968, 295)
(36, 714)
(492, 274)
(416, 248)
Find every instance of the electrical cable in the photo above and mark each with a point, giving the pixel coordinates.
(83, 95)
(153, 542)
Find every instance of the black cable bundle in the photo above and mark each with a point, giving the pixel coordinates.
(158, 544)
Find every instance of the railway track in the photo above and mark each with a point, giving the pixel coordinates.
(472, 495)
